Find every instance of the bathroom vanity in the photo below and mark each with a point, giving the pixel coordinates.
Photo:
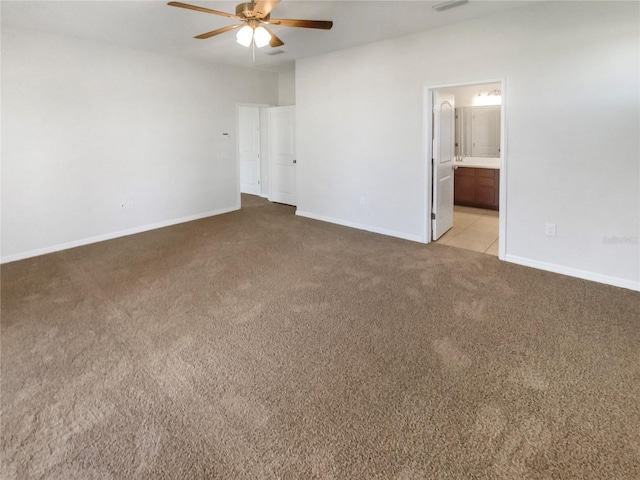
(476, 182)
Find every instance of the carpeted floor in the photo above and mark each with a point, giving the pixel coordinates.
(258, 344)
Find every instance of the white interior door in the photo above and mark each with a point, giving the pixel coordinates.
(282, 159)
(443, 150)
(485, 132)
(249, 149)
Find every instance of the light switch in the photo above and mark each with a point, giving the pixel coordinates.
(550, 229)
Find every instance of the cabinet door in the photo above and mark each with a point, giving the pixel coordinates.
(485, 187)
(485, 196)
(464, 189)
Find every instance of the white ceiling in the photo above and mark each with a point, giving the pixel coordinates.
(155, 26)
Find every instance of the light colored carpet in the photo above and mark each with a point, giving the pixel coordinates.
(258, 344)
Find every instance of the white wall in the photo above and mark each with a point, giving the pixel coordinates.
(87, 125)
(287, 88)
(572, 119)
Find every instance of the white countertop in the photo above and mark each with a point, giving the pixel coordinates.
(478, 162)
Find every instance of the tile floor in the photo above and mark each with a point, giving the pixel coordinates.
(473, 229)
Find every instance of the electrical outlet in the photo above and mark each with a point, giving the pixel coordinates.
(550, 229)
(363, 201)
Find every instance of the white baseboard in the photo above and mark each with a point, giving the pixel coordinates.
(574, 272)
(109, 236)
(360, 226)
(527, 262)
(252, 191)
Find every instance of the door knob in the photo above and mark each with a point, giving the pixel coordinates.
(295, 161)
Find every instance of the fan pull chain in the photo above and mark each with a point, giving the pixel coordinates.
(253, 45)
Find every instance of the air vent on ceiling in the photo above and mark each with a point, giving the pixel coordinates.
(274, 52)
(441, 7)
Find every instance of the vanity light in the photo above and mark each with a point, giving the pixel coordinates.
(494, 97)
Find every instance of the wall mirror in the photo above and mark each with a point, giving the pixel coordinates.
(478, 131)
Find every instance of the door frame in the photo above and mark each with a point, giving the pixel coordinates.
(428, 91)
(238, 105)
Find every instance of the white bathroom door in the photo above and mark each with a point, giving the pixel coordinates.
(249, 149)
(442, 154)
(282, 159)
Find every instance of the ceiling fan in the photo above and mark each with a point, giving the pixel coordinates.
(255, 16)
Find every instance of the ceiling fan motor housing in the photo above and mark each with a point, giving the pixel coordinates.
(245, 10)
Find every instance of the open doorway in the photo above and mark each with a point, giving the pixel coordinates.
(266, 153)
(249, 149)
(252, 149)
(467, 175)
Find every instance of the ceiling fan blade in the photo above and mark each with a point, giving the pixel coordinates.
(287, 22)
(264, 7)
(202, 9)
(275, 41)
(218, 31)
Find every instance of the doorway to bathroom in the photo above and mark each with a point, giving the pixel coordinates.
(467, 176)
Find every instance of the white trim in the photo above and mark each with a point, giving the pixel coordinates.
(270, 164)
(109, 236)
(265, 127)
(427, 128)
(502, 200)
(574, 272)
(360, 226)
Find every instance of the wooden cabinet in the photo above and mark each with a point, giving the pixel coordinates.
(477, 187)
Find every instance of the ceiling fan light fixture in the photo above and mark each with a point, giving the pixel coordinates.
(261, 36)
(245, 36)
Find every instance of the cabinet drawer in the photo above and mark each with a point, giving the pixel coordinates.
(485, 172)
(465, 172)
